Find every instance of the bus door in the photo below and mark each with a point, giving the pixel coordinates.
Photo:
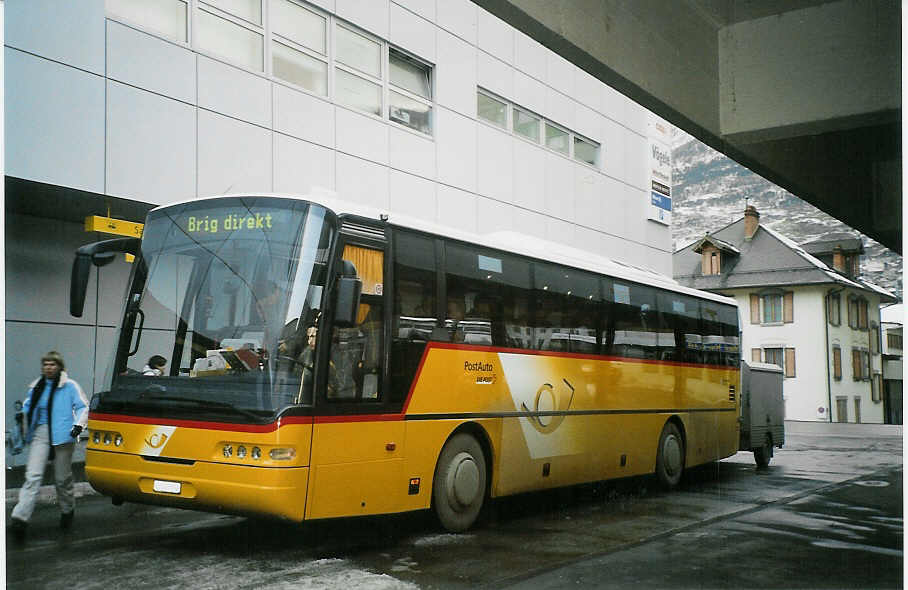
(358, 441)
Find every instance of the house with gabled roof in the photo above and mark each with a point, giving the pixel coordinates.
(804, 308)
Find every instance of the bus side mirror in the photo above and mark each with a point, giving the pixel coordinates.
(346, 296)
(98, 254)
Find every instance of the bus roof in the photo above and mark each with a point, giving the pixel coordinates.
(509, 241)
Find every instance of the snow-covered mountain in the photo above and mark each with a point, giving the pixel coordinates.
(711, 190)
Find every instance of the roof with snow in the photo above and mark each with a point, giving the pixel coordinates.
(768, 259)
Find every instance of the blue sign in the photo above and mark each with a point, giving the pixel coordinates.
(662, 201)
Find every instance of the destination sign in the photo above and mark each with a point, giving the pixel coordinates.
(212, 224)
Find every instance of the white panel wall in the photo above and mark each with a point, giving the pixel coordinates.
(71, 33)
(456, 80)
(304, 116)
(231, 91)
(412, 32)
(151, 146)
(54, 122)
(300, 166)
(362, 181)
(412, 195)
(233, 156)
(150, 63)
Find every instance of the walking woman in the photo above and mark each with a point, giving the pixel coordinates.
(56, 412)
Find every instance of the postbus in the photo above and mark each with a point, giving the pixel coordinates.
(325, 362)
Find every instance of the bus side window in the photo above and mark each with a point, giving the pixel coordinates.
(415, 308)
(355, 370)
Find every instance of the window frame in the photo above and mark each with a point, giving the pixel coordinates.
(837, 308)
(392, 87)
(199, 6)
(270, 37)
(836, 362)
(763, 308)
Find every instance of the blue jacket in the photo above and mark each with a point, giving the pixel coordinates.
(69, 408)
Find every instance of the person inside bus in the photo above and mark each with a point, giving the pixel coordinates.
(368, 367)
(155, 366)
(306, 361)
(455, 316)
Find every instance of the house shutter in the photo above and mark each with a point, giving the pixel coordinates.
(856, 365)
(790, 362)
(837, 363)
(754, 309)
(788, 307)
(755, 355)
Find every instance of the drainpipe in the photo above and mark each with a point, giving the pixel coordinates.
(828, 371)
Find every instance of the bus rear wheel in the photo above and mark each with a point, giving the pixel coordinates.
(459, 488)
(670, 456)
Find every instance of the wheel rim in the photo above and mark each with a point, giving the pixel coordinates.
(463, 480)
(671, 453)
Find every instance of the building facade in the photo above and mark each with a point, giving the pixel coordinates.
(818, 321)
(431, 108)
(893, 318)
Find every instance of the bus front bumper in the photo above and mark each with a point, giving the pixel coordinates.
(277, 492)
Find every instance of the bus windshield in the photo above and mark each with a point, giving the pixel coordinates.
(223, 310)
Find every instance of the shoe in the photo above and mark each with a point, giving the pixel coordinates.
(66, 519)
(17, 527)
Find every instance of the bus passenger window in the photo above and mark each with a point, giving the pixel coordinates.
(415, 308)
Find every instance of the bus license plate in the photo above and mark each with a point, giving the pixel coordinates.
(169, 487)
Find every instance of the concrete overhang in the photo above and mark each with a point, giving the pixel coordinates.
(806, 93)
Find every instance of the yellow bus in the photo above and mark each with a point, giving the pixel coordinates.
(321, 364)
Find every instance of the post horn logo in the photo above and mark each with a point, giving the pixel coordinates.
(156, 440)
(547, 421)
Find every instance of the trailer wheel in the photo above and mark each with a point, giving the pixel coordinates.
(459, 488)
(670, 456)
(763, 454)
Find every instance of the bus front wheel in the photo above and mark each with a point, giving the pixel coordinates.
(670, 456)
(459, 488)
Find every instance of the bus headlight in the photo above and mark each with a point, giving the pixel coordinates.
(256, 453)
(282, 454)
(96, 437)
(107, 438)
(228, 451)
(241, 452)
(118, 440)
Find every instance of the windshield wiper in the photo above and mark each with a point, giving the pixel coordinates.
(203, 402)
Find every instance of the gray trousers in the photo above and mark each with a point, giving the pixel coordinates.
(34, 472)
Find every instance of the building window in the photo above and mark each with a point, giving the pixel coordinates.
(857, 313)
(585, 151)
(499, 112)
(358, 71)
(299, 46)
(491, 109)
(557, 139)
(894, 341)
(167, 17)
(860, 364)
(410, 94)
(229, 36)
(857, 409)
(876, 385)
(773, 356)
(714, 266)
(841, 409)
(526, 124)
(835, 309)
(837, 363)
(772, 309)
(874, 340)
